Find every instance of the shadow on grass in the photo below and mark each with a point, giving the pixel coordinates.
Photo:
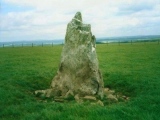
(122, 84)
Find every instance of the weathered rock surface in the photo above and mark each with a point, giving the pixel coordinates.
(99, 102)
(112, 98)
(90, 98)
(78, 73)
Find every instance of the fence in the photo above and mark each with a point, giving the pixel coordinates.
(131, 42)
(3, 45)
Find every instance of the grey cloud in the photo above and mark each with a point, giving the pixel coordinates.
(131, 9)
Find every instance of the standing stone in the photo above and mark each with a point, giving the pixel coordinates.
(78, 73)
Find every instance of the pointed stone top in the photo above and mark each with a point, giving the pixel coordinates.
(78, 16)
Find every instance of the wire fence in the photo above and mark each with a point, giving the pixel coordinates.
(131, 42)
(27, 45)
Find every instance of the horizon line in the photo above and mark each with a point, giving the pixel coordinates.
(98, 38)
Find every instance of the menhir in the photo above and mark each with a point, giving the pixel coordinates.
(78, 73)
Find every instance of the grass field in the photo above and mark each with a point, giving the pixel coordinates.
(133, 70)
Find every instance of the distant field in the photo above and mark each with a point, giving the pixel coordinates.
(111, 41)
(133, 70)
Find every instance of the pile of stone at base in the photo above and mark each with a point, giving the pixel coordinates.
(78, 74)
(110, 96)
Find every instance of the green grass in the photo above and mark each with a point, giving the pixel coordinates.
(133, 70)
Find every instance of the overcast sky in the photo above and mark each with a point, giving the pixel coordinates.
(47, 19)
